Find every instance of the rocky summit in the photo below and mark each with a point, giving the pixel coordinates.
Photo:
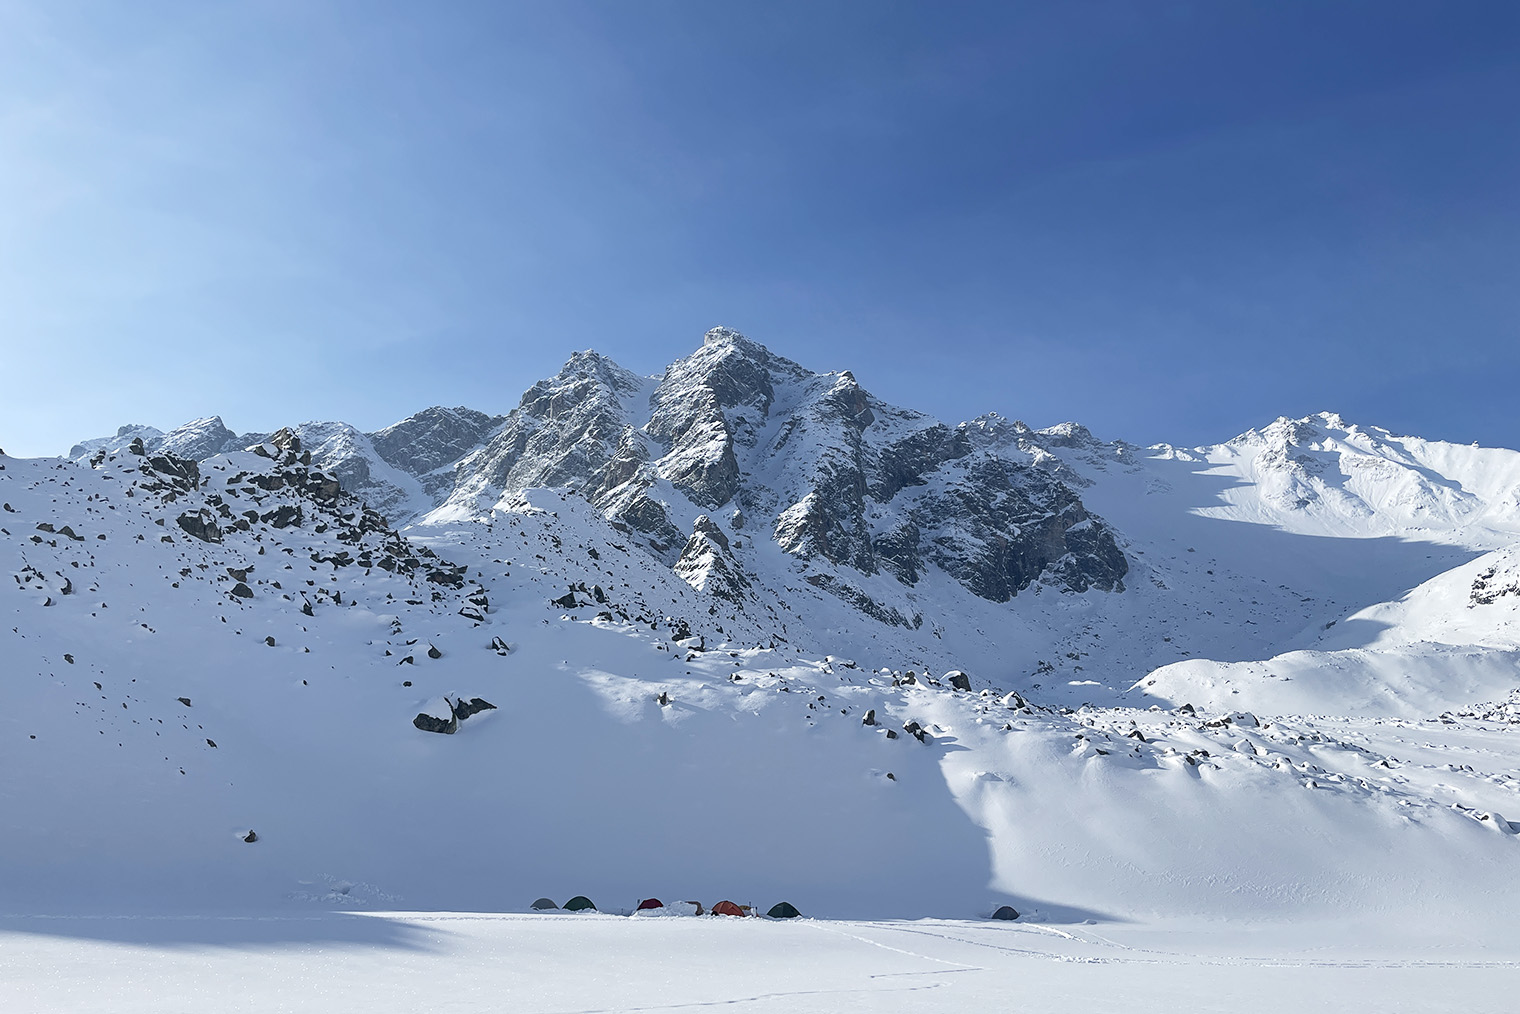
(782, 457)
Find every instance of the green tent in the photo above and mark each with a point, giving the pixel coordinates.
(1007, 912)
(545, 905)
(783, 910)
(580, 903)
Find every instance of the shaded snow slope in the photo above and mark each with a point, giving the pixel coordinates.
(1452, 641)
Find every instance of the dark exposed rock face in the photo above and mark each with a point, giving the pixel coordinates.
(707, 563)
(997, 526)
(201, 524)
(433, 438)
(432, 723)
(464, 709)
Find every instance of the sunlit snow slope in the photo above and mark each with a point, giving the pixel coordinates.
(193, 652)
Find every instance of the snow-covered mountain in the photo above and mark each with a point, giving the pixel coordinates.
(679, 626)
(775, 489)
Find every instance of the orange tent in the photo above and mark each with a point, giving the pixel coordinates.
(727, 908)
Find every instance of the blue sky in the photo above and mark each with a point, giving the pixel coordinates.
(1169, 221)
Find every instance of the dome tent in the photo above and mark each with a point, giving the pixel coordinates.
(580, 903)
(783, 910)
(1007, 912)
(728, 908)
(650, 903)
(544, 905)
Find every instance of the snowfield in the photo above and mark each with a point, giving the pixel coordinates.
(393, 962)
(265, 751)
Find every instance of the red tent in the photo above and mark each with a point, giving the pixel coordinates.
(650, 903)
(727, 908)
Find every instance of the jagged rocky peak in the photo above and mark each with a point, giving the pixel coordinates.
(868, 486)
(199, 439)
(1284, 432)
(585, 375)
(1066, 434)
(195, 440)
(572, 429)
(434, 438)
(708, 402)
(992, 428)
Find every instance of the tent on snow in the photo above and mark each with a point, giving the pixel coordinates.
(650, 903)
(580, 903)
(545, 905)
(783, 910)
(1007, 912)
(728, 908)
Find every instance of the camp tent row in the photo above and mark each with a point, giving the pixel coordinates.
(581, 903)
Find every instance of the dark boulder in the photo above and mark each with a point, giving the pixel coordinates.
(432, 723)
(464, 709)
(201, 525)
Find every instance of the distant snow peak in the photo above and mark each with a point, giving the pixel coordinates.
(199, 439)
(1067, 434)
(149, 435)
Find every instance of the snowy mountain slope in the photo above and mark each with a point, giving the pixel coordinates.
(1453, 640)
(399, 470)
(1370, 517)
(352, 459)
(645, 736)
(810, 485)
(1325, 475)
(692, 633)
